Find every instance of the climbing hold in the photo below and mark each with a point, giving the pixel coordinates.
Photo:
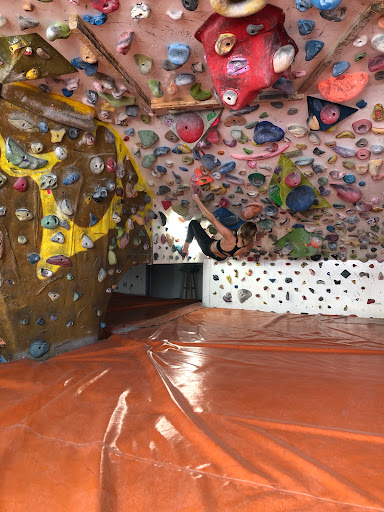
(238, 8)
(198, 94)
(148, 161)
(244, 295)
(313, 48)
(38, 348)
(50, 222)
(155, 87)
(340, 67)
(283, 58)
(59, 260)
(343, 88)
(335, 15)
(106, 6)
(184, 79)
(99, 19)
(144, 63)
(225, 43)
(267, 132)
(26, 23)
(305, 27)
(348, 193)
(87, 242)
(140, 11)
(47, 181)
(190, 5)
(297, 130)
(124, 42)
(23, 214)
(58, 238)
(58, 31)
(16, 156)
(300, 198)
(20, 184)
(178, 53)
(148, 138)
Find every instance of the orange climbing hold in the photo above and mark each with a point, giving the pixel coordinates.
(343, 88)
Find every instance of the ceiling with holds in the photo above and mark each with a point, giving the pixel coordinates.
(245, 111)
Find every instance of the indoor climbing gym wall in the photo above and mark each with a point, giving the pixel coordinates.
(114, 114)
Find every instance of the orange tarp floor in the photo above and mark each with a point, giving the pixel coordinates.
(215, 411)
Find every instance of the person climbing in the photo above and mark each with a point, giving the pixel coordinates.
(229, 245)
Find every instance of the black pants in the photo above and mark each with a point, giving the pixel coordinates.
(204, 241)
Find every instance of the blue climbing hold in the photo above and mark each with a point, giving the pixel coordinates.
(340, 67)
(227, 167)
(267, 132)
(67, 93)
(305, 27)
(162, 150)
(297, 226)
(40, 321)
(43, 126)
(361, 104)
(92, 219)
(313, 48)
(161, 169)
(331, 229)
(71, 178)
(210, 161)
(33, 258)
(300, 198)
(361, 183)
(178, 53)
(183, 169)
(177, 151)
(90, 69)
(196, 154)
(326, 5)
(129, 131)
(303, 5)
(98, 19)
(38, 348)
(349, 178)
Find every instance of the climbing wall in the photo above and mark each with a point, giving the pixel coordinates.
(74, 216)
(305, 164)
(329, 287)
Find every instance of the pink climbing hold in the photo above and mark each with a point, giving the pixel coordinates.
(348, 193)
(190, 127)
(293, 179)
(213, 136)
(106, 6)
(21, 184)
(124, 42)
(330, 114)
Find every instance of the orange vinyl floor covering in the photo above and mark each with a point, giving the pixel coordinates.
(213, 411)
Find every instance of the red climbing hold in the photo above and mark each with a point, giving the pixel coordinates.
(190, 127)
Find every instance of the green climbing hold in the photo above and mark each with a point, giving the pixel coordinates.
(124, 101)
(148, 161)
(198, 94)
(264, 114)
(248, 151)
(148, 138)
(155, 87)
(144, 63)
(145, 118)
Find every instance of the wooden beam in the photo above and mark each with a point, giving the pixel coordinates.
(162, 106)
(364, 18)
(88, 38)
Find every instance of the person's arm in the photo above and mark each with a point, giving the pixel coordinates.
(225, 232)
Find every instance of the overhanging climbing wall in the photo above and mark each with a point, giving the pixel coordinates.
(75, 214)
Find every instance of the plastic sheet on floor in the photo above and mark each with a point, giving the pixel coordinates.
(216, 411)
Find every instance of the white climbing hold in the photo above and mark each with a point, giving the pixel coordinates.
(283, 58)
(101, 275)
(87, 242)
(175, 15)
(377, 42)
(230, 97)
(140, 11)
(360, 41)
(66, 207)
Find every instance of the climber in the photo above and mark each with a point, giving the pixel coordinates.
(229, 245)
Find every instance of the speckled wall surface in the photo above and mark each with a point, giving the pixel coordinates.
(350, 231)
